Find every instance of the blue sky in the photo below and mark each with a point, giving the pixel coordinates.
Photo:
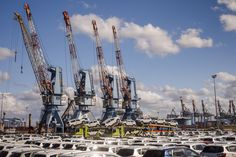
(167, 45)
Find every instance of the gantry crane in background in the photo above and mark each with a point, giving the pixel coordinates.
(231, 110)
(185, 111)
(196, 113)
(205, 114)
(49, 78)
(108, 82)
(221, 111)
(127, 84)
(85, 93)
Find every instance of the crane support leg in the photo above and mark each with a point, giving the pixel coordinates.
(51, 119)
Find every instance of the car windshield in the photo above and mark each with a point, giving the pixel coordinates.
(104, 149)
(231, 148)
(15, 154)
(46, 145)
(68, 146)
(81, 148)
(56, 145)
(3, 153)
(125, 152)
(199, 147)
(39, 155)
(213, 149)
(153, 153)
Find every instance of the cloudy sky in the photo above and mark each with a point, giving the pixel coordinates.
(171, 47)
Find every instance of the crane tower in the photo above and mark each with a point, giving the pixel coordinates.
(108, 82)
(84, 94)
(49, 78)
(127, 84)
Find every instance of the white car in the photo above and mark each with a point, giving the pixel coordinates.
(144, 120)
(129, 122)
(93, 123)
(74, 122)
(197, 147)
(111, 121)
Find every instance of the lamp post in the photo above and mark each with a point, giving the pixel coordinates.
(214, 77)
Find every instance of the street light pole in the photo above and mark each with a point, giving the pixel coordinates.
(216, 108)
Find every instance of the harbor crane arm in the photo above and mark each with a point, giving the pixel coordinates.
(79, 84)
(124, 80)
(37, 58)
(39, 67)
(105, 81)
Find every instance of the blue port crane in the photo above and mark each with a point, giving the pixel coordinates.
(108, 82)
(83, 80)
(127, 84)
(49, 78)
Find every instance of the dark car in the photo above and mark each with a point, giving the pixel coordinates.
(171, 152)
(213, 151)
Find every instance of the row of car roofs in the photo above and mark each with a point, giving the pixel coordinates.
(47, 145)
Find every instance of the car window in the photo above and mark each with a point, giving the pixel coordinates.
(139, 151)
(177, 153)
(81, 148)
(27, 154)
(231, 148)
(154, 153)
(57, 145)
(213, 149)
(3, 153)
(39, 155)
(125, 152)
(190, 153)
(198, 147)
(15, 154)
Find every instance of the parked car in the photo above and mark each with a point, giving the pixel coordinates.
(74, 122)
(219, 151)
(111, 121)
(129, 122)
(23, 152)
(91, 154)
(198, 147)
(93, 123)
(171, 152)
(143, 120)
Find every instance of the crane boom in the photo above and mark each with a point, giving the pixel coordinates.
(124, 80)
(39, 63)
(105, 79)
(73, 54)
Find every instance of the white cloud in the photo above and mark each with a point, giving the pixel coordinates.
(83, 24)
(5, 53)
(191, 38)
(226, 76)
(4, 76)
(164, 99)
(229, 22)
(230, 4)
(148, 38)
(151, 39)
(149, 97)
